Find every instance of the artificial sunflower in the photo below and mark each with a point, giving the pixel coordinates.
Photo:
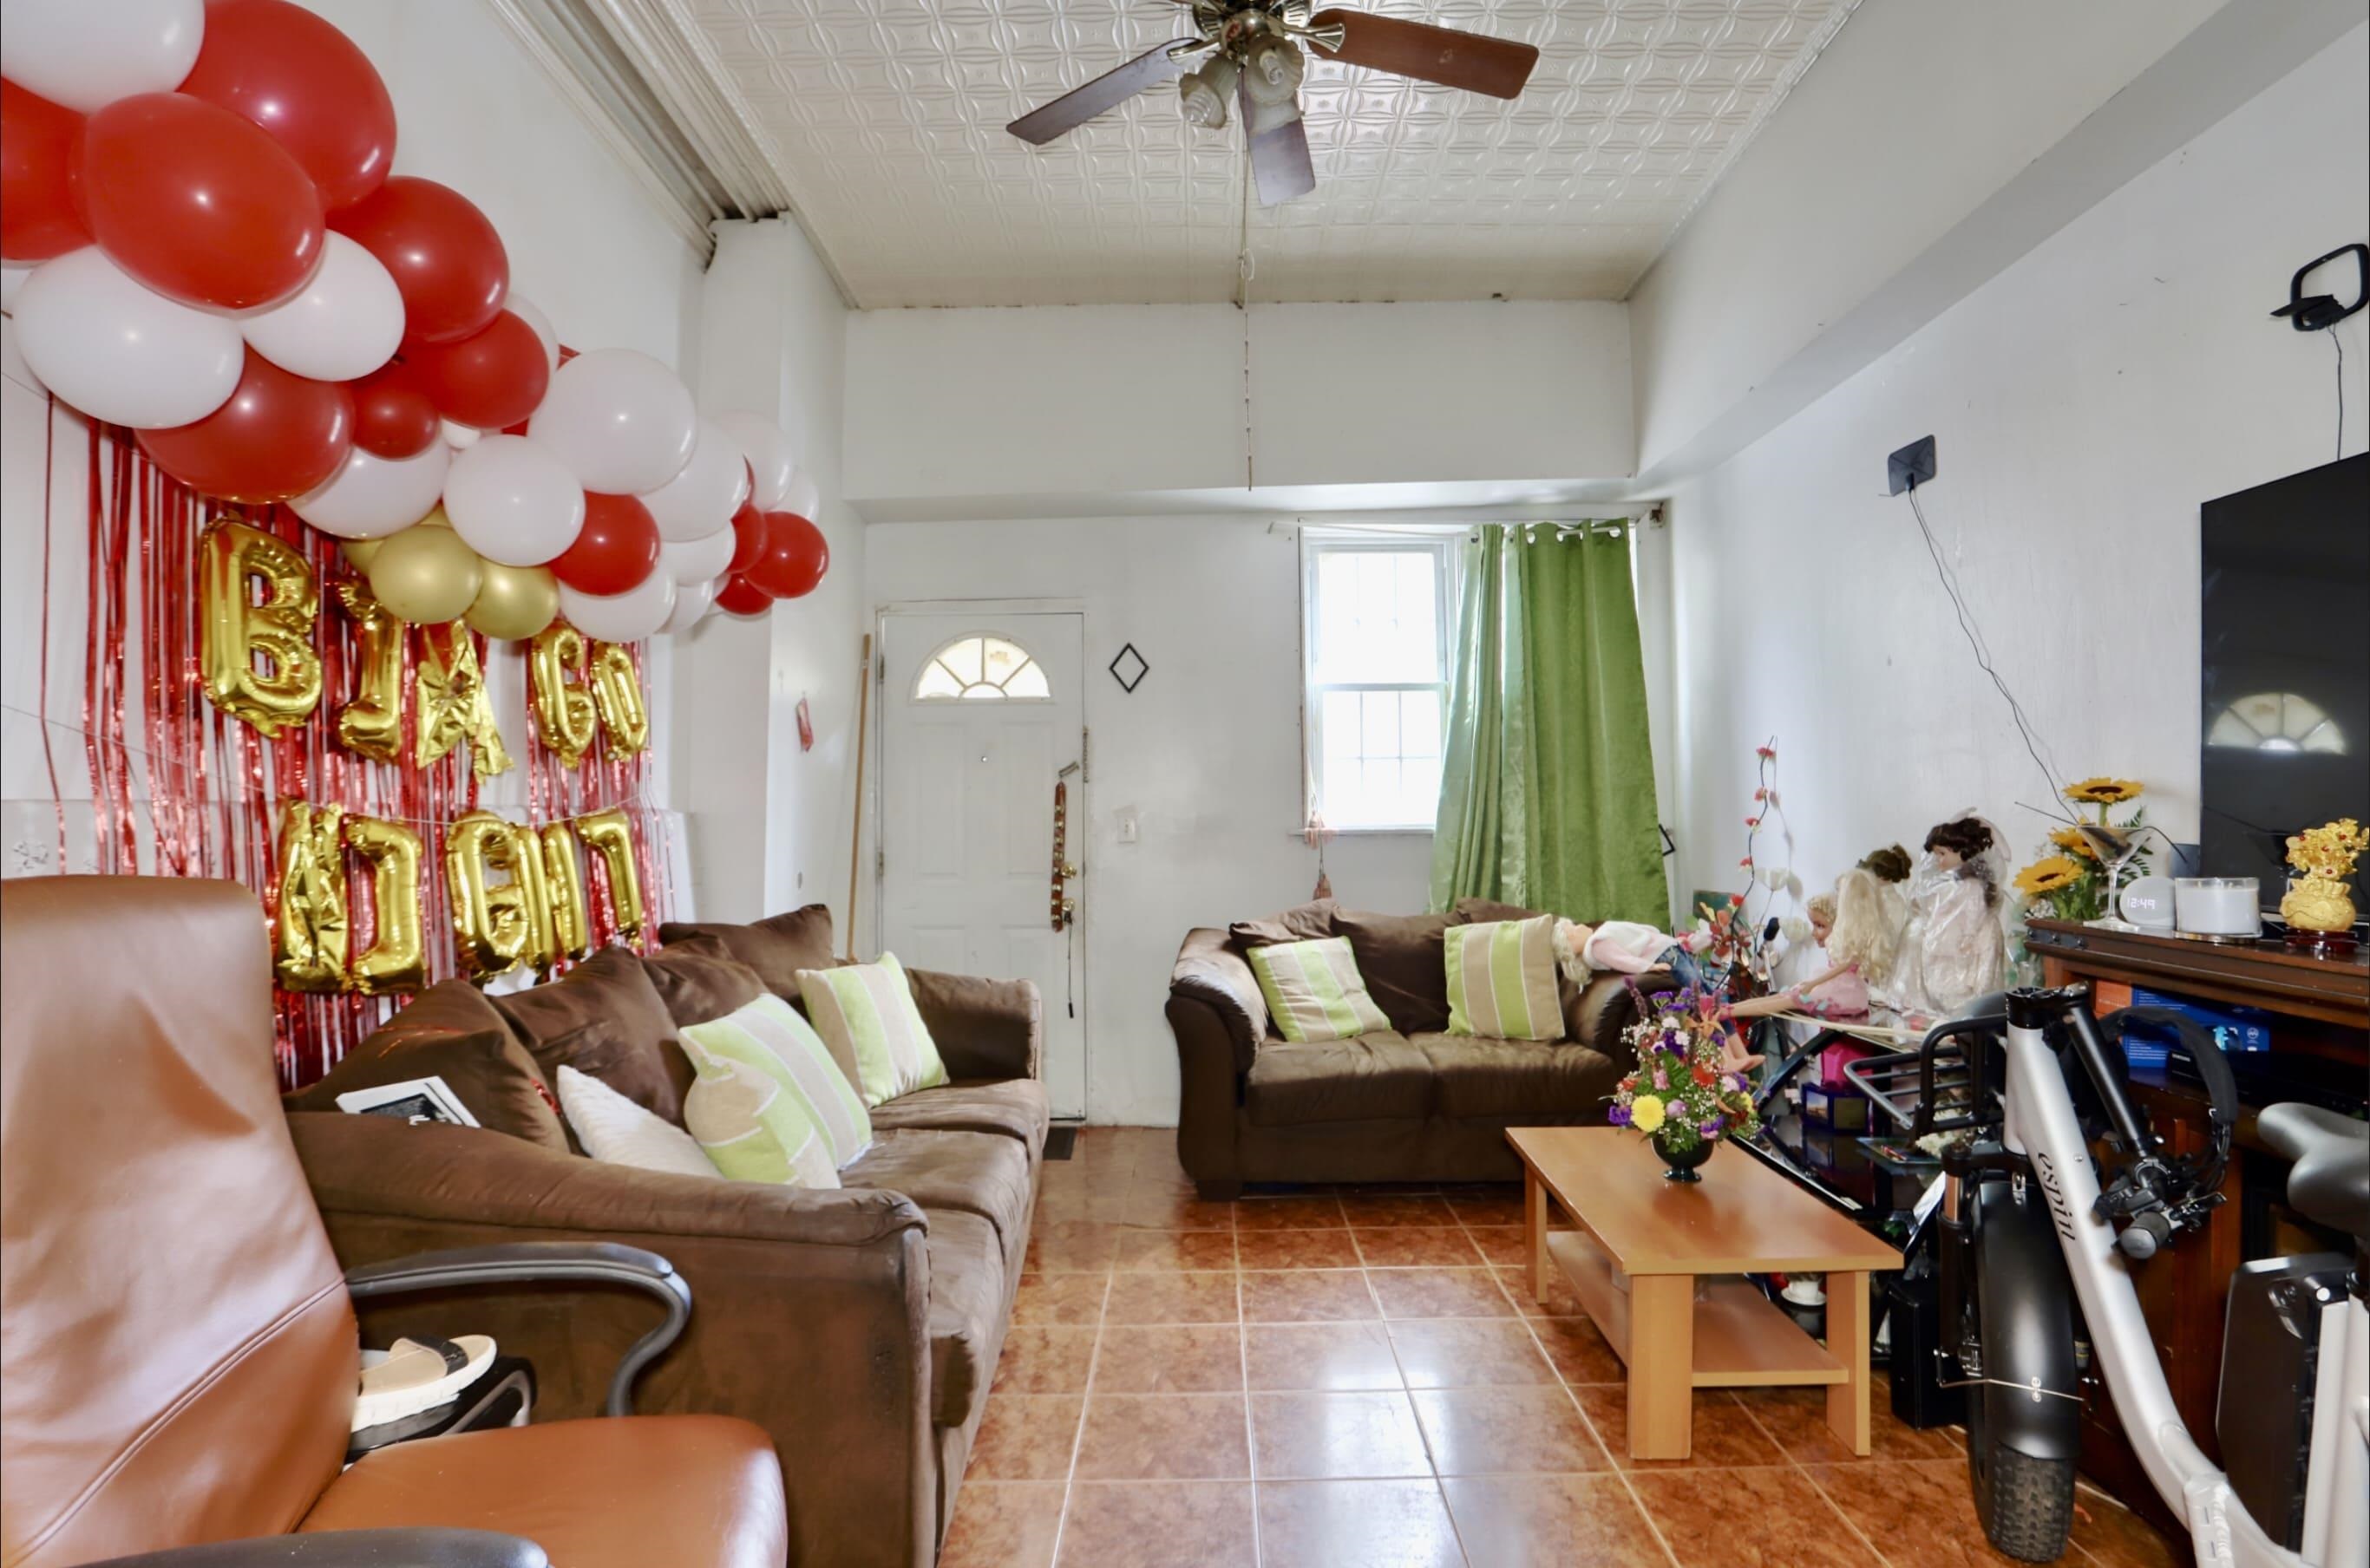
(2046, 877)
(2071, 841)
(2104, 790)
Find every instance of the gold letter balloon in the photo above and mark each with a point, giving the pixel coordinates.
(309, 929)
(564, 717)
(568, 916)
(494, 923)
(617, 693)
(396, 960)
(610, 836)
(450, 689)
(237, 631)
(372, 722)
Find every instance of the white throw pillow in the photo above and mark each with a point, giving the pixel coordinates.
(616, 1131)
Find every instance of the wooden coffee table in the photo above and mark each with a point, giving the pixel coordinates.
(1678, 1326)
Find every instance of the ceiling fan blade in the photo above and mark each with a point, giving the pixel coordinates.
(1106, 92)
(1279, 142)
(1453, 59)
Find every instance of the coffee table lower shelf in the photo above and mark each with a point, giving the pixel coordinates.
(1741, 1340)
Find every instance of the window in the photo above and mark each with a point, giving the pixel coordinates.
(982, 669)
(1376, 638)
(2276, 721)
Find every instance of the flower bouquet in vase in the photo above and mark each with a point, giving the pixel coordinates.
(1688, 1089)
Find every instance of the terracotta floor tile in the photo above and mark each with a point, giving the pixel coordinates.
(1720, 1433)
(1560, 1301)
(1501, 1243)
(1287, 1357)
(1308, 1295)
(1550, 1521)
(1357, 1524)
(1497, 1431)
(1378, 1210)
(1919, 1515)
(1415, 1247)
(1307, 1437)
(1752, 1519)
(1025, 1438)
(1071, 1246)
(1487, 1205)
(1581, 1353)
(1172, 1525)
(1440, 1293)
(1296, 1249)
(1169, 1361)
(2116, 1538)
(1797, 1418)
(1162, 1297)
(1067, 1301)
(1175, 1250)
(1468, 1353)
(1167, 1209)
(1003, 1524)
(1045, 1360)
(1307, 1213)
(1164, 1438)
(1104, 1206)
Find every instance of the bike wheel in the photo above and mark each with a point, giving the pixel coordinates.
(2018, 1311)
(2026, 1503)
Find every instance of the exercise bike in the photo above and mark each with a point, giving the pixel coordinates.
(2034, 1266)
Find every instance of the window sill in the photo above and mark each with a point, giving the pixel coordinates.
(1367, 833)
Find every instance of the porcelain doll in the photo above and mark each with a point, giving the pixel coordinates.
(1954, 948)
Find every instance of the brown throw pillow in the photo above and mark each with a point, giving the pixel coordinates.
(604, 1019)
(1487, 911)
(452, 1032)
(1306, 923)
(778, 947)
(700, 981)
(1404, 964)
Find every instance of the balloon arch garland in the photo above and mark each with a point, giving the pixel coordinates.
(336, 467)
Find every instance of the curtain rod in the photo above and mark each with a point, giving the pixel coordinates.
(1651, 517)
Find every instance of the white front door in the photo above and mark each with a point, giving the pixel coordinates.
(980, 714)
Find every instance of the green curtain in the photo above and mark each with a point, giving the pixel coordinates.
(1546, 794)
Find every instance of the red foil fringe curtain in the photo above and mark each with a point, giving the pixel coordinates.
(213, 784)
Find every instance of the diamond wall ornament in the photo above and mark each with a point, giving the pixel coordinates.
(1128, 669)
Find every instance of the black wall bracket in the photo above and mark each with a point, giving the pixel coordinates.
(2314, 313)
(1911, 466)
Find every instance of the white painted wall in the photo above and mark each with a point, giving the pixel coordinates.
(768, 823)
(2087, 400)
(1035, 412)
(1205, 752)
(473, 110)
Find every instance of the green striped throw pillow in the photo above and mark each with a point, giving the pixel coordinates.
(865, 1013)
(1501, 980)
(1314, 990)
(768, 1091)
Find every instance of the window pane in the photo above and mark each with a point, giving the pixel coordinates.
(1001, 660)
(1342, 725)
(1420, 724)
(1376, 617)
(1381, 717)
(1029, 680)
(936, 682)
(1419, 800)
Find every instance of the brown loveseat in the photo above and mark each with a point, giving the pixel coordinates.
(1412, 1104)
(859, 1328)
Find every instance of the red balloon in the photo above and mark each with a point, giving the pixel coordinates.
(795, 559)
(618, 548)
(279, 436)
(486, 380)
(37, 214)
(448, 262)
(305, 84)
(740, 596)
(748, 537)
(195, 202)
(393, 418)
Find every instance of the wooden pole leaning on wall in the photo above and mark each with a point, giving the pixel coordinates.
(856, 830)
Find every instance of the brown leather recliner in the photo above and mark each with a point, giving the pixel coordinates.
(178, 1349)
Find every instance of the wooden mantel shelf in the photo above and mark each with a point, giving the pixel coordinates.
(2259, 974)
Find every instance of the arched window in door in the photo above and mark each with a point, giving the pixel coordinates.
(2276, 721)
(982, 668)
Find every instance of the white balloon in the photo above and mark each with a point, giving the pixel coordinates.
(119, 352)
(803, 496)
(771, 460)
(622, 422)
(12, 278)
(459, 436)
(692, 600)
(344, 324)
(88, 53)
(620, 617)
(513, 501)
(697, 560)
(703, 498)
(372, 496)
(527, 311)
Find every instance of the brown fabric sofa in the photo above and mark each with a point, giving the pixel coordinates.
(1414, 1103)
(859, 1328)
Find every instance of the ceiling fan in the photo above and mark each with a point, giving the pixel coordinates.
(1250, 49)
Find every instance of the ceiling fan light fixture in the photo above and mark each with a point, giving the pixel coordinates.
(1204, 93)
(1271, 70)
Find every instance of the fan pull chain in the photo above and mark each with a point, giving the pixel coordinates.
(1246, 267)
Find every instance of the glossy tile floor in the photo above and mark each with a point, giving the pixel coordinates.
(1360, 1380)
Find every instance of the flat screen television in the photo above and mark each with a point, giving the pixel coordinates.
(2285, 731)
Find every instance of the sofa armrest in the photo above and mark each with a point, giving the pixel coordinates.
(1209, 971)
(811, 1316)
(983, 1028)
(421, 1547)
(1599, 1014)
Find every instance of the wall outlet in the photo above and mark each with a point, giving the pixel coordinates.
(1131, 829)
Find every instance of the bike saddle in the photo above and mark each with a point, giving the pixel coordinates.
(2331, 1182)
